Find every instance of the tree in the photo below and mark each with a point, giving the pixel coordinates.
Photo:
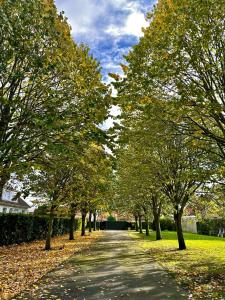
(180, 59)
(190, 48)
(97, 174)
(179, 63)
(50, 88)
(51, 183)
(162, 161)
(52, 102)
(136, 184)
(33, 74)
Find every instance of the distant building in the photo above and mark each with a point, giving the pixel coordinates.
(12, 202)
(189, 224)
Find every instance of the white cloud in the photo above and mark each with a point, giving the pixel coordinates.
(115, 111)
(134, 24)
(103, 25)
(81, 14)
(110, 65)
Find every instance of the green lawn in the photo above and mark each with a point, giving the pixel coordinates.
(200, 268)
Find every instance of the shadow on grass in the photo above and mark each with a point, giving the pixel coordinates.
(203, 261)
(171, 235)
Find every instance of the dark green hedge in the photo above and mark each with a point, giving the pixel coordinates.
(210, 226)
(165, 223)
(19, 228)
(116, 225)
(92, 225)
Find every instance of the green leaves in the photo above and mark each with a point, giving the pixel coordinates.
(52, 98)
(172, 101)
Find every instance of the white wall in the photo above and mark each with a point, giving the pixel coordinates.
(8, 195)
(189, 224)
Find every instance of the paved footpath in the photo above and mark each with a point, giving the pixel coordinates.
(115, 268)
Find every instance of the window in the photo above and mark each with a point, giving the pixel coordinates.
(10, 210)
(6, 195)
(4, 210)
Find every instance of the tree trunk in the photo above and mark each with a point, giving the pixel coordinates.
(72, 225)
(147, 226)
(136, 223)
(50, 226)
(157, 227)
(5, 176)
(140, 224)
(156, 209)
(94, 221)
(89, 221)
(84, 213)
(180, 236)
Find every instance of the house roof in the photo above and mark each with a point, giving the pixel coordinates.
(20, 204)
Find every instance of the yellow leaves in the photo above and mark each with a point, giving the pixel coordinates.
(60, 136)
(145, 100)
(124, 68)
(114, 76)
(165, 55)
(23, 265)
(171, 3)
(221, 170)
(48, 6)
(198, 133)
(129, 108)
(95, 146)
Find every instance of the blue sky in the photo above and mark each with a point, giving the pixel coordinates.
(108, 27)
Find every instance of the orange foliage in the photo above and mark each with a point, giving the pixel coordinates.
(23, 265)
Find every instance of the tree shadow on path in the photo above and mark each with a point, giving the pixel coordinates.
(114, 268)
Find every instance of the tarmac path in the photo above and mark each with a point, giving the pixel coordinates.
(114, 268)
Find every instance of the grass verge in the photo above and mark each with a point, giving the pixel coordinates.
(23, 265)
(200, 268)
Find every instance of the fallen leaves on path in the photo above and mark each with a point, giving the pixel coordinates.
(23, 265)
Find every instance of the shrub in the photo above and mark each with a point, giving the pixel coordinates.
(210, 226)
(19, 228)
(166, 224)
(111, 219)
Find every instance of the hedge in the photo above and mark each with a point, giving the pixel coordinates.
(20, 228)
(210, 226)
(116, 225)
(92, 225)
(165, 224)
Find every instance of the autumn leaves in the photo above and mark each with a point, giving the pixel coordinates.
(172, 96)
(52, 102)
